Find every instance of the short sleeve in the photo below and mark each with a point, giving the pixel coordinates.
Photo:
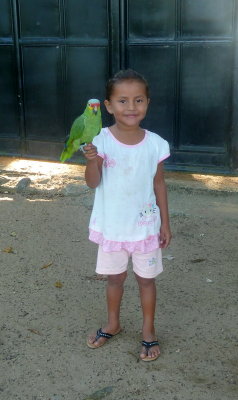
(98, 141)
(164, 151)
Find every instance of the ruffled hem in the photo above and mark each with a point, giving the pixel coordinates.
(144, 246)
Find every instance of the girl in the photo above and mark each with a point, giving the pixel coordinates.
(130, 213)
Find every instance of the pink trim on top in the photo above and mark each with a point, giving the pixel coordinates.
(128, 145)
(143, 246)
(164, 158)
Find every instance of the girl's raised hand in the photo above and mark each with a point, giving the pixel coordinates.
(90, 151)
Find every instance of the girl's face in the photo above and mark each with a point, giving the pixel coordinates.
(128, 103)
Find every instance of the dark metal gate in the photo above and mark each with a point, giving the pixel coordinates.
(55, 54)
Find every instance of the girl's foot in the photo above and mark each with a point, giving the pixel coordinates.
(101, 337)
(150, 350)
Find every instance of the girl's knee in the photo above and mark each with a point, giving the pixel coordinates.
(117, 279)
(145, 282)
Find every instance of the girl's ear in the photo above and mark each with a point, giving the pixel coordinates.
(148, 101)
(108, 106)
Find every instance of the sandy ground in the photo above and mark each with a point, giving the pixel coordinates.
(51, 298)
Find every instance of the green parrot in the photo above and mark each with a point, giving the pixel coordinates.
(83, 129)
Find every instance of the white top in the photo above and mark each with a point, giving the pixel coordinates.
(125, 214)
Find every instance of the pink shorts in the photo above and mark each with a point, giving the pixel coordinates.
(146, 265)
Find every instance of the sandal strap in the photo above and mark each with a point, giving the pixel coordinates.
(100, 333)
(148, 345)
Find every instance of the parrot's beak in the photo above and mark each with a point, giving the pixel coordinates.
(95, 110)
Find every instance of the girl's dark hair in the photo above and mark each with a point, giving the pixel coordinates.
(125, 75)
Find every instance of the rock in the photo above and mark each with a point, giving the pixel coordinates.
(23, 184)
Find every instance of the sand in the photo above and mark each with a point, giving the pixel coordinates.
(51, 298)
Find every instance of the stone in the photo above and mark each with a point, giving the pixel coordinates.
(23, 184)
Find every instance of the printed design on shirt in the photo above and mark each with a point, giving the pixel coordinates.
(148, 214)
(152, 261)
(109, 162)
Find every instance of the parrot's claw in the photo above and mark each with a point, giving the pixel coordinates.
(82, 147)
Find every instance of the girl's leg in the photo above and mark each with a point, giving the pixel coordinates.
(114, 291)
(148, 302)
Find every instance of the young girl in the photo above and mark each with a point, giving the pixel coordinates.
(130, 213)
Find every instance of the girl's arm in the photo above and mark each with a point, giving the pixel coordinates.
(162, 203)
(93, 170)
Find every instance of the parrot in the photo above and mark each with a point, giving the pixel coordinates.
(83, 130)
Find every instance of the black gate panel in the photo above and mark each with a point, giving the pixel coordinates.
(39, 18)
(8, 89)
(9, 112)
(205, 96)
(206, 75)
(207, 19)
(5, 20)
(150, 50)
(151, 19)
(58, 55)
(42, 92)
(87, 20)
(158, 64)
(85, 79)
(186, 50)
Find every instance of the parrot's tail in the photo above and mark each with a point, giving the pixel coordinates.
(64, 156)
(65, 153)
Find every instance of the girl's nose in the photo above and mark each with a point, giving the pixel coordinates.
(131, 105)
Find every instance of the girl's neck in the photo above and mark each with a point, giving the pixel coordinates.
(130, 136)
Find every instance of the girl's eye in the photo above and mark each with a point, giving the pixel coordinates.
(122, 101)
(139, 100)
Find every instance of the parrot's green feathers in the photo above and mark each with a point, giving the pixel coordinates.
(84, 129)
